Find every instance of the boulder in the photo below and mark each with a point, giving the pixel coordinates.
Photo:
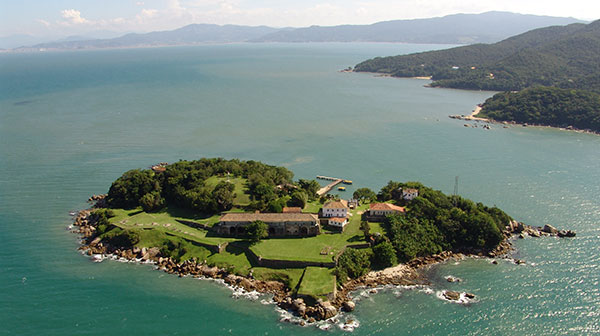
(296, 304)
(330, 311)
(349, 306)
(549, 229)
(469, 295)
(452, 295)
(450, 278)
(301, 310)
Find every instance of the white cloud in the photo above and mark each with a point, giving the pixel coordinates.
(44, 22)
(73, 16)
(148, 13)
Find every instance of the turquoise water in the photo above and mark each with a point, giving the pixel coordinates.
(72, 122)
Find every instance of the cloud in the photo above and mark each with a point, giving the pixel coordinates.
(73, 16)
(148, 13)
(44, 22)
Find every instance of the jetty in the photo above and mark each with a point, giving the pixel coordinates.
(330, 186)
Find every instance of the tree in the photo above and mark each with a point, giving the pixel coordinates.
(223, 196)
(277, 205)
(353, 263)
(384, 254)
(256, 231)
(364, 195)
(299, 199)
(128, 189)
(152, 201)
(365, 228)
(310, 187)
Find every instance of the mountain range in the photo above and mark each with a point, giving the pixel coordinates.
(452, 29)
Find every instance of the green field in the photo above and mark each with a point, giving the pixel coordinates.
(317, 282)
(176, 225)
(313, 207)
(169, 221)
(242, 198)
(311, 248)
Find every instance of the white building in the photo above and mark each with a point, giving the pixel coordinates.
(335, 209)
(384, 209)
(409, 194)
(337, 222)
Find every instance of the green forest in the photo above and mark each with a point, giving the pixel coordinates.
(187, 185)
(561, 56)
(433, 222)
(546, 105)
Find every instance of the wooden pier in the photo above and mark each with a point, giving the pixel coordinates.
(330, 186)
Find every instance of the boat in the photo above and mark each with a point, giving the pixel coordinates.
(342, 188)
(347, 181)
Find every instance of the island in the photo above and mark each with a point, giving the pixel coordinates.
(253, 226)
(557, 69)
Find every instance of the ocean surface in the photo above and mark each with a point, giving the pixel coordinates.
(72, 122)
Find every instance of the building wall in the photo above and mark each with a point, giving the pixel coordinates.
(335, 212)
(275, 228)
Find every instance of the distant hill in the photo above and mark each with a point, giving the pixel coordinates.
(188, 35)
(451, 29)
(562, 56)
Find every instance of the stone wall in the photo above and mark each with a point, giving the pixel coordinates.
(276, 263)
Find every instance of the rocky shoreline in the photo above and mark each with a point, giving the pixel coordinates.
(506, 124)
(408, 274)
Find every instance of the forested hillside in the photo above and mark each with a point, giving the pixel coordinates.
(561, 56)
(548, 106)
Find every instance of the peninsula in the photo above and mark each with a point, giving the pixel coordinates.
(559, 66)
(256, 228)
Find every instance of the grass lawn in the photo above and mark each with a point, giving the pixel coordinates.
(310, 248)
(169, 224)
(312, 207)
(167, 221)
(233, 258)
(289, 276)
(317, 282)
(242, 198)
(377, 227)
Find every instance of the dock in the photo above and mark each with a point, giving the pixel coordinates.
(330, 186)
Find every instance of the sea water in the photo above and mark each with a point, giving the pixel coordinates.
(72, 122)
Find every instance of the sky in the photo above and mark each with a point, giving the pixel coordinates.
(81, 17)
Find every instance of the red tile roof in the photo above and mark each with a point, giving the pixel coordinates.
(338, 219)
(269, 217)
(292, 209)
(385, 206)
(335, 205)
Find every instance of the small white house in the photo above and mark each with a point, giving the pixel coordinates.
(335, 209)
(409, 194)
(337, 222)
(384, 209)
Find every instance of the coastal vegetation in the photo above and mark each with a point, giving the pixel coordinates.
(546, 105)
(544, 60)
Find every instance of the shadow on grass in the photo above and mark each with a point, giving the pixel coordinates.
(135, 213)
(356, 238)
(185, 213)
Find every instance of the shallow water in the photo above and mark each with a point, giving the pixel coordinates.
(72, 122)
